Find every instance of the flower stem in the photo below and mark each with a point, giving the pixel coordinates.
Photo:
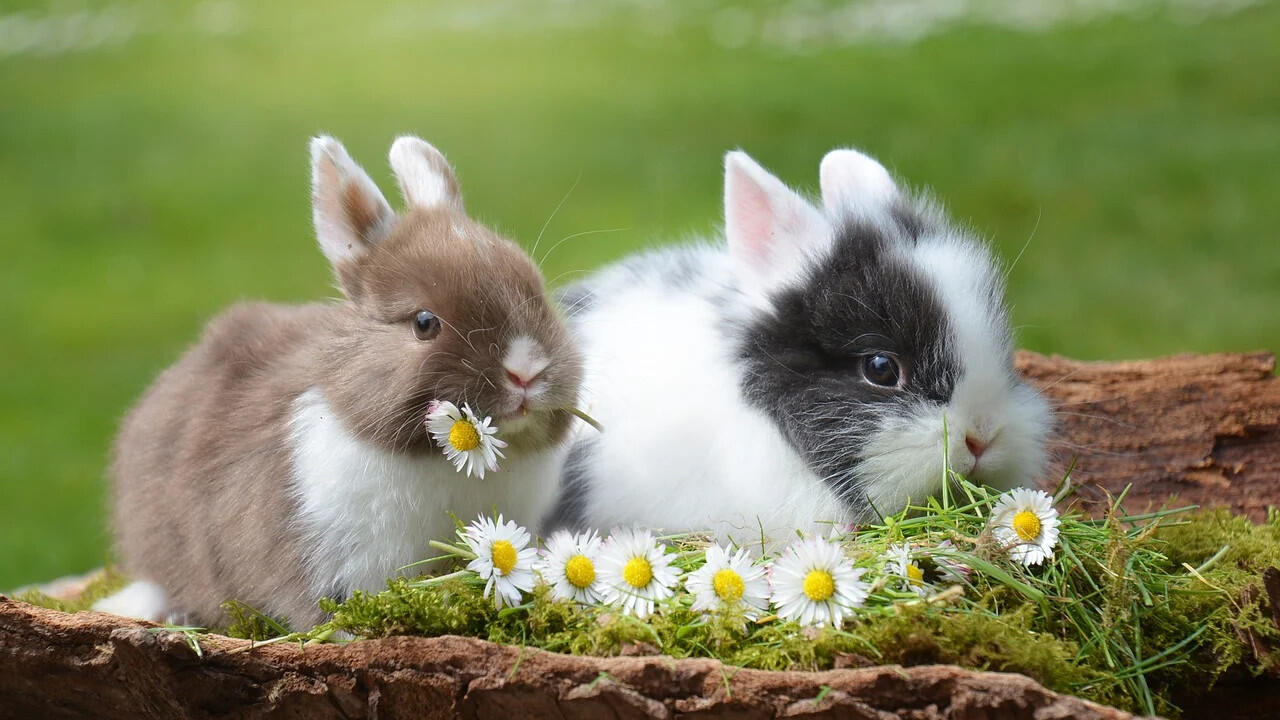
(442, 578)
(584, 417)
(452, 550)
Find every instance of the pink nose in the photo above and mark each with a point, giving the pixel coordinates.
(976, 446)
(520, 380)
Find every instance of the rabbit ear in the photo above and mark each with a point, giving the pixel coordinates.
(854, 185)
(425, 178)
(773, 233)
(348, 209)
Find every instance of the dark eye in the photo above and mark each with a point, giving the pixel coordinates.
(425, 325)
(881, 369)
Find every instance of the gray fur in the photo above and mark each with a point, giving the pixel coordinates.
(570, 511)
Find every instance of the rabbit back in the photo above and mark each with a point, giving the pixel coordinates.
(188, 506)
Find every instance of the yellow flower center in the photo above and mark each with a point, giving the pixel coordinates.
(637, 572)
(579, 571)
(463, 436)
(1027, 525)
(914, 574)
(819, 585)
(728, 585)
(504, 556)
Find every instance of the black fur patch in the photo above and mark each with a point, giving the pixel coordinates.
(803, 364)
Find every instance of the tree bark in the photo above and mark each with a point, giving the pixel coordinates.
(1190, 429)
(56, 665)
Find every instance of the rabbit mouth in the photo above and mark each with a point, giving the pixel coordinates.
(524, 404)
(520, 417)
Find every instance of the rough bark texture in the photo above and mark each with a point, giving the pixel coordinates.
(92, 665)
(1197, 429)
(1205, 429)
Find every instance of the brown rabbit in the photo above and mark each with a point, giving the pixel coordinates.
(284, 458)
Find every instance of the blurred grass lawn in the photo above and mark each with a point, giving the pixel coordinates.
(145, 185)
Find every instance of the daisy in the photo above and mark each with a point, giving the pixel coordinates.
(569, 567)
(815, 584)
(901, 564)
(729, 581)
(502, 558)
(469, 443)
(1026, 523)
(635, 572)
(951, 571)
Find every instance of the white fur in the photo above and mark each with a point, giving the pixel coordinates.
(365, 512)
(332, 172)
(682, 450)
(525, 357)
(424, 175)
(139, 599)
(962, 274)
(987, 403)
(773, 234)
(854, 185)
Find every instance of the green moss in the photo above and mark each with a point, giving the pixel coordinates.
(455, 607)
(106, 582)
(1230, 554)
(251, 624)
(1005, 643)
(907, 635)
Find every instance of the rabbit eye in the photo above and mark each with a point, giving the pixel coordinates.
(881, 369)
(426, 325)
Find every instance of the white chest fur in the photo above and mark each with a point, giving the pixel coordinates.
(364, 512)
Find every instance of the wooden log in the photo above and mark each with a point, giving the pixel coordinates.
(55, 665)
(1190, 429)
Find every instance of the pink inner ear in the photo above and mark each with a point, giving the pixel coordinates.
(751, 219)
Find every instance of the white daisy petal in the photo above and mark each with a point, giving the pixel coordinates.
(469, 443)
(951, 571)
(910, 575)
(1025, 523)
(502, 558)
(571, 567)
(815, 584)
(729, 580)
(635, 572)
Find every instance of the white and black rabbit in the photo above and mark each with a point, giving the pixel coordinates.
(800, 373)
(284, 458)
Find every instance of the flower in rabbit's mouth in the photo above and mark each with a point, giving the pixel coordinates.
(1026, 523)
(503, 559)
(471, 444)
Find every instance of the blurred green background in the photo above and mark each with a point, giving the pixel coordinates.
(153, 168)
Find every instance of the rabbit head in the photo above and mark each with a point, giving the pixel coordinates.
(438, 307)
(878, 338)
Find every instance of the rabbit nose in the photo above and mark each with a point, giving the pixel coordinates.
(521, 379)
(976, 446)
(524, 362)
